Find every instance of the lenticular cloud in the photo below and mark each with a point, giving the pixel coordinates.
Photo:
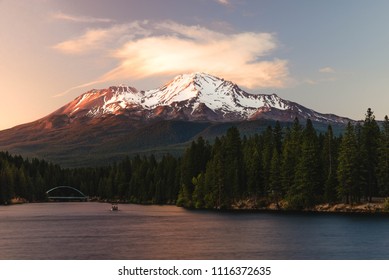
(183, 49)
(169, 48)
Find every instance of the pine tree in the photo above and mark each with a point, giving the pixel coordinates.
(267, 153)
(123, 177)
(6, 183)
(305, 191)
(212, 189)
(278, 137)
(171, 186)
(199, 192)
(383, 160)
(347, 171)
(21, 183)
(219, 192)
(291, 152)
(369, 150)
(275, 190)
(233, 167)
(253, 167)
(329, 159)
(194, 162)
(184, 198)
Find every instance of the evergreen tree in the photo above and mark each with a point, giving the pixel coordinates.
(253, 167)
(383, 160)
(199, 192)
(305, 191)
(268, 146)
(123, 177)
(369, 150)
(233, 167)
(219, 192)
(347, 171)
(184, 198)
(291, 152)
(329, 159)
(212, 186)
(275, 179)
(6, 183)
(278, 137)
(21, 183)
(194, 162)
(39, 188)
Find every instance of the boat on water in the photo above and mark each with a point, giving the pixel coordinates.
(114, 207)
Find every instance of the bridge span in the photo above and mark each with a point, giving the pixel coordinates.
(65, 193)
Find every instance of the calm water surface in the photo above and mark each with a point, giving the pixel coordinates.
(90, 231)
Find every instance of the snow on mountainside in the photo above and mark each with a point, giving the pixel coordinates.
(194, 97)
(102, 126)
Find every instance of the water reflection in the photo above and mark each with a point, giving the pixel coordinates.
(92, 231)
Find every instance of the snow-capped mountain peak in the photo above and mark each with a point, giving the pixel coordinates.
(184, 87)
(196, 97)
(219, 95)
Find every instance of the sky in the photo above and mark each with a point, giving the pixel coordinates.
(331, 56)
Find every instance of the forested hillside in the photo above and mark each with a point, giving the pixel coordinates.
(293, 165)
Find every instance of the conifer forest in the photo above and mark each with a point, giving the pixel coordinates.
(294, 165)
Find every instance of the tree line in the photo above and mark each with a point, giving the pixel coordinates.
(137, 180)
(293, 165)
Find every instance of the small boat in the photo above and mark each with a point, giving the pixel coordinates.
(114, 207)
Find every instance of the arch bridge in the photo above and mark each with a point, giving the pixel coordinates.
(65, 193)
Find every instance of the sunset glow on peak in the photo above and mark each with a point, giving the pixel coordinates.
(61, 49)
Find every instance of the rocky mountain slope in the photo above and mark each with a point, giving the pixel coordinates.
(103, 125)
(191, 97)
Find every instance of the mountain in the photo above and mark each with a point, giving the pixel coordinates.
(190, 97)
(104, 125)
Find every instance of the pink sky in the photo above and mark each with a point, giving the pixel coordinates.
(321, 55)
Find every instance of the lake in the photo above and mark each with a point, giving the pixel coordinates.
(89, 230)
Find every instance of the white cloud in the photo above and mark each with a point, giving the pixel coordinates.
(309, 81)
(100, 38)
(223, 2)
(168, 48)
(80, 19)
(92, 39)
(326, 70)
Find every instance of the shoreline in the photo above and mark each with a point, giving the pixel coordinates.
(376, 207)
(365, 208)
